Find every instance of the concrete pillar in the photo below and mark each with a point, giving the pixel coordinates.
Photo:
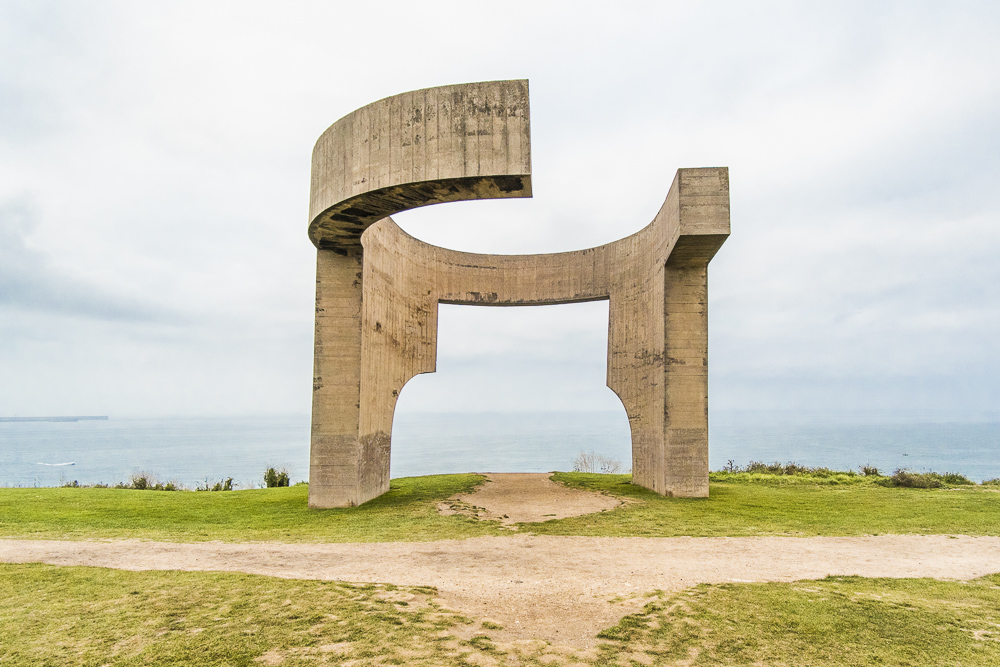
(685, 369)
(335, 453)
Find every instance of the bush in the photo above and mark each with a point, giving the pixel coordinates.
(223, 485)
(955, 478)
(141, 482)
(900, 478)
(992, 482)
(916, 480)
(591, 462)
(790, 468)
(928, 480)
(144, 481)
(275, 477)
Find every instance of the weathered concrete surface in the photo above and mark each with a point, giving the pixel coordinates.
(378, 290)
(429, 146)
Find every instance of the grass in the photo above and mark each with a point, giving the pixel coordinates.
(740, 504)
(92, 616)
(745, 506)
(408, 512)
(834, 621)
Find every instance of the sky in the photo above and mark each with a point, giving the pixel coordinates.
(154, 175)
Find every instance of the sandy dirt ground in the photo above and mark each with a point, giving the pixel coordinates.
(526, 498)
(559, 589)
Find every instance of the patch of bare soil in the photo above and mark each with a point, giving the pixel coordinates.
(559, 589)
(526, 498)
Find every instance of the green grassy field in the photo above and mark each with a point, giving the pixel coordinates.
(91, 617)
(407, 513)
(739, 505)
(746, 505)
(833, 621)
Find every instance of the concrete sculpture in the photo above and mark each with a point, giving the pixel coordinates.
(378, 289)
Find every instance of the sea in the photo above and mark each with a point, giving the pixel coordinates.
(196, 451)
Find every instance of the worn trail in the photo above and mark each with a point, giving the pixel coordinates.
(561, 589)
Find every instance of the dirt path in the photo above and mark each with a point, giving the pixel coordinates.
(555, 588)
(526, 498)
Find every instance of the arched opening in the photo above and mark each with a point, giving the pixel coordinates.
(517, 389)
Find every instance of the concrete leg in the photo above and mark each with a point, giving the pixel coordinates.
(335, 457)
(685, 367)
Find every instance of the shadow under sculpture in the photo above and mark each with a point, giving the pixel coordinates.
(378, 289)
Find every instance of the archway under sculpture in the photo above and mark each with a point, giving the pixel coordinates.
(378, 288)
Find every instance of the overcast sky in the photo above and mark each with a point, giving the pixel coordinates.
(154, 174)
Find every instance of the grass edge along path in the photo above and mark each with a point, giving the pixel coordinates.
(738, 506)
(52, 615)
(407, 513)
(747, 506)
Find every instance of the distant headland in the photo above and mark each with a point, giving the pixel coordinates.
(54, 419)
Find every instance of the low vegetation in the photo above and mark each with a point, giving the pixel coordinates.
(592, 462)
(741, 503)
(274, 478)
(793, 473)
(834, 621)
(92, 616)
(146, 481)
(408, 512)
(140, 481)
(747, 504)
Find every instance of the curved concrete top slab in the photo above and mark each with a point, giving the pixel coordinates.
(430, 146)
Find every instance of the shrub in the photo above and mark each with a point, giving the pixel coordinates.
(916, 480)
(144, 481)
(223, 485)
(591, 462)
(275, 477)
(992, 482)
(140, 482)
(790, 468)
(928, 480)
(900, 478)
(955, 478)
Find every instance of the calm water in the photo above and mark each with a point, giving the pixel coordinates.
(193, 450)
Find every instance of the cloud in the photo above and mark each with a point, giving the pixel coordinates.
(154, 170)
(28, 281)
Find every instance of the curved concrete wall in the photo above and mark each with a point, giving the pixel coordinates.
(429, 146)
(378, 290)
